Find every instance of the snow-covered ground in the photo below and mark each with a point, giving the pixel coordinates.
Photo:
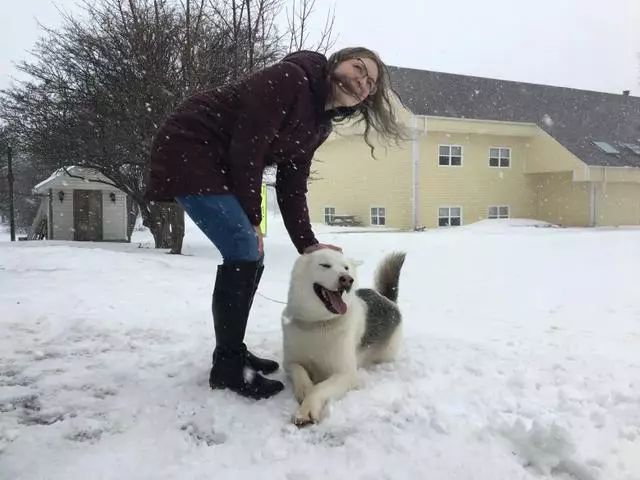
(521, 360)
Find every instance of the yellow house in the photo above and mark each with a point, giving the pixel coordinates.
(483, 148)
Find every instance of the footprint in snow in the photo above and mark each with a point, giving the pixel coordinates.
(202, 435)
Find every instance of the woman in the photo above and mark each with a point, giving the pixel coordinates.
(210, 156)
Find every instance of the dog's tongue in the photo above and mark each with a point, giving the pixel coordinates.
(337, 303)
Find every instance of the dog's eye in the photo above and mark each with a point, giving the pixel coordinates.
(325, 265)
(346, 267)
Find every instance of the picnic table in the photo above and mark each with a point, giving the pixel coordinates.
(344, 220)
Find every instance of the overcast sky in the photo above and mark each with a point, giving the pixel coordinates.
(588, 44)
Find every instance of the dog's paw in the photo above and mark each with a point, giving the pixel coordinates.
(301, 420)
(301, 390)
(309, 412)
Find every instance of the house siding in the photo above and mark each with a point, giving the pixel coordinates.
(617, 204)
(549, 156)
(561, 200)
(345, 176)
(544, 180)
(62, 215)
(114, 216)
(475, 185)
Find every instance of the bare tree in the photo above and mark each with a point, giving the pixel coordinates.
(25, 175)
(100, 87)
(251, 30)
(96, 91)
(299, 28)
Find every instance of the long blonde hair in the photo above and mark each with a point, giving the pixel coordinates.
(376, 111)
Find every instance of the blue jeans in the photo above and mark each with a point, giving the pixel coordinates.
(223, 221)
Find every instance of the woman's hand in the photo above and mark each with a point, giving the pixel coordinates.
(318, 246)
(260, 240)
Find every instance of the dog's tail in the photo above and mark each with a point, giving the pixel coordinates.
(387, 275)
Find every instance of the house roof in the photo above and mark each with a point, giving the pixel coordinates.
(60, 179)
(575, 118)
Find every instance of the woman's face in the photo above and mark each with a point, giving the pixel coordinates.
(354, 80)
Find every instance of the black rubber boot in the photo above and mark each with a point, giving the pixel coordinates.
(232, 297)
(230, 371)
(263, 365)
(260, 364)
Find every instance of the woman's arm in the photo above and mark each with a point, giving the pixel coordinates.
(291, 190)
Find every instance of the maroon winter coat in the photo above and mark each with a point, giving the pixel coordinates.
(220, 141)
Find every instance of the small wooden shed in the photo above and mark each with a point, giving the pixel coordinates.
(82, 209)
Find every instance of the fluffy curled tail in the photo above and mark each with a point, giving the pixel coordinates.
(387, 276)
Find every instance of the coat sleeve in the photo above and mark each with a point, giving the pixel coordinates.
(266, 99)
(291, 191)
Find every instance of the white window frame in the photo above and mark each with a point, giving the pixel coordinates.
(377, 216)
(498, 215)
(500, 157)
(330, 214)
(449, 217)
(450, 146)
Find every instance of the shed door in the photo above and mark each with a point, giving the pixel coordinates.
(87, 215)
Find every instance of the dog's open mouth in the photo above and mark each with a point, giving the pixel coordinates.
(332, 299)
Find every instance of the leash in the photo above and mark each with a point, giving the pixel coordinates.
(271, 299)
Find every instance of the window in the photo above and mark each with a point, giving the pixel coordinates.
(499, 211)
(450, 155)
(607, 148)
(329, 212)
(635, 148)
(449, 216)
(378, 216)
(499, 157)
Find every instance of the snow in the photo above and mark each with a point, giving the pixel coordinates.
(40, 187)
(547, 120)
(59, 178)
(521, 360)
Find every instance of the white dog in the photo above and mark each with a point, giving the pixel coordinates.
(331, 327)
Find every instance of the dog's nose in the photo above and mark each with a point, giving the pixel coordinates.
(346, 281)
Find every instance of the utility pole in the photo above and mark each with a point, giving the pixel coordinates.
(12, 219)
